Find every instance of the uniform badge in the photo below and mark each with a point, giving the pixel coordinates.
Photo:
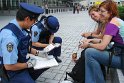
(35, 33)
(9, 47)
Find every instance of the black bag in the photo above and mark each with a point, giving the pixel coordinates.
(121, 55)
(122, 61)
(116, 51)
(78, 71)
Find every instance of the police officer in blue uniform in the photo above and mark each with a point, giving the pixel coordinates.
(14, 46)
(43, 35)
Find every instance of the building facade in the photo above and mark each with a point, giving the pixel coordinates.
(10, 4)
(122, 1)
(14, 4)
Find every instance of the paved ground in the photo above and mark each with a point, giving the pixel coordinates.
(71, 27)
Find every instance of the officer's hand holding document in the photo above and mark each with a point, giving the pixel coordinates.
(44, 52)
(43, 60)
(51, 47)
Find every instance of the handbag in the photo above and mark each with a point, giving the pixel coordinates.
(122, 60)
(118, 49)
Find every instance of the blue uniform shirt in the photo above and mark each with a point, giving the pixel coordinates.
(7, 38)
(36, 32)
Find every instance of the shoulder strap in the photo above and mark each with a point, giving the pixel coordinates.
(40, 25)
(42, 18)
(15, 30)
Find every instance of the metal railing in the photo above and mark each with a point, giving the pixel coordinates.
(50, 10)
(59, 10)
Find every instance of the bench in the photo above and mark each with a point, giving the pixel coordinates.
(116, 76)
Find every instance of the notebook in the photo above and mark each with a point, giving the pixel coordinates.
(44, 62)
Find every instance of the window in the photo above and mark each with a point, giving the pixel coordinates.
(6, 4)
(0, 4)
(15, 4)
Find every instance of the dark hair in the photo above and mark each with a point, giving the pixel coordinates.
(43, 17)
(22, 14)
(111, 7)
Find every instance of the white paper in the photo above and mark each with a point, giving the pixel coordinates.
(49, 48)
(57, 45)
(44, 62)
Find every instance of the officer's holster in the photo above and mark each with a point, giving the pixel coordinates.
(3, 74)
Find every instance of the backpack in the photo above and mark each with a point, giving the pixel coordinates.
(78, 71)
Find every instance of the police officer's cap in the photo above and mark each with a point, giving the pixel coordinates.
(53, 24)
(32, 8)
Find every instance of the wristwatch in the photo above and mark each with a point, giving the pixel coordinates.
(29, 64)
(89, 44)
(37, 52)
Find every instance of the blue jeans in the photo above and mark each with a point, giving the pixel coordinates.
(93, 59)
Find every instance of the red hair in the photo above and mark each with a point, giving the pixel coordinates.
(111, 7)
